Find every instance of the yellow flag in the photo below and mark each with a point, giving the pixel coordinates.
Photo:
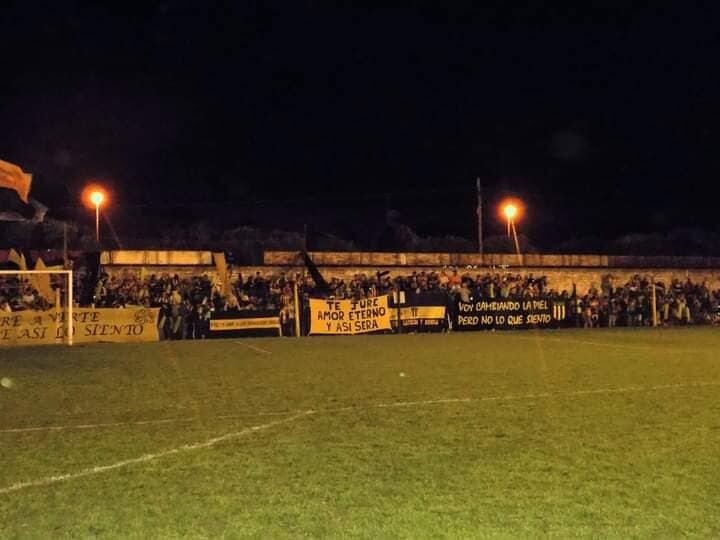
(41, 282)
(17, 258)
(221, 267)
(13, 177)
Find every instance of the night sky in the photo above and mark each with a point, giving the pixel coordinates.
(605, 122)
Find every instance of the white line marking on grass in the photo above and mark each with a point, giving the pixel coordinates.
(427, 402)
(141, 422)
(508, 397)
(96, 426)
(253, 347)
(150, 457)
(619, 390)
(513, 397)
(294, 415)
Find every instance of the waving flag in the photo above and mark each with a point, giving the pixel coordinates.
(13, 177)
(18, 258)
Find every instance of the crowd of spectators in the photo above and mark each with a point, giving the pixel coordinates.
(630, 304)
(451, 282)
(17, 294)
(188, 303)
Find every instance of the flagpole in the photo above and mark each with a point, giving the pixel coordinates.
(653, 303)
(479, 218)
(65, 244)
(297, 308)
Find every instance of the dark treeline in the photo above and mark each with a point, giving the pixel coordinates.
(246, 244)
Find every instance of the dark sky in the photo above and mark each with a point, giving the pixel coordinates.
(604, 122)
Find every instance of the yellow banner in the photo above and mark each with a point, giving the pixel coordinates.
(89, 326)
(349, 316)
(419, 312)
(258, 323)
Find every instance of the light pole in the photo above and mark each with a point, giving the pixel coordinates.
(511, 211)
(95, 196)
(97, 199)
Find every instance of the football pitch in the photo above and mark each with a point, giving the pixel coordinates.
(572, 433)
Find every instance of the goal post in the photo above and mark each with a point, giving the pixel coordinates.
(50, 290)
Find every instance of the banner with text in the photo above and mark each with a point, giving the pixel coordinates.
(508, 314)
(246, 323)
(420, 318)
(349, 316)
(89, 326)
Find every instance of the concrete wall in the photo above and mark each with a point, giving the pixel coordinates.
(150, 257)
(372, 259)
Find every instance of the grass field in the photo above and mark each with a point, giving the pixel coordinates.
(556, 433)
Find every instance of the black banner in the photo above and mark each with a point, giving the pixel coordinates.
(245, 323)
(509, 314)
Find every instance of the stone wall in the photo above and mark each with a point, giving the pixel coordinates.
(152, 257)
(376, 259)
(562, 271)
(142, 271)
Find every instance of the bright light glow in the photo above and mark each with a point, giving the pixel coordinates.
(95, 195)
(97, 198)
(510, 211)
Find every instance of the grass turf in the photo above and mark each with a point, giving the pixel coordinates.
(554, 433)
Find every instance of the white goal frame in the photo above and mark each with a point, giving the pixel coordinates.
(68, 296)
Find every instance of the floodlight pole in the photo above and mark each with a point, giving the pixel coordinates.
(511, 223)
(97, 223)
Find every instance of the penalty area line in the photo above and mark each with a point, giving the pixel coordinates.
(384, 405)
(516, 397)
(46, 481)
(101, 425)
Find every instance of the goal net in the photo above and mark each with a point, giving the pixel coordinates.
(36, 307)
